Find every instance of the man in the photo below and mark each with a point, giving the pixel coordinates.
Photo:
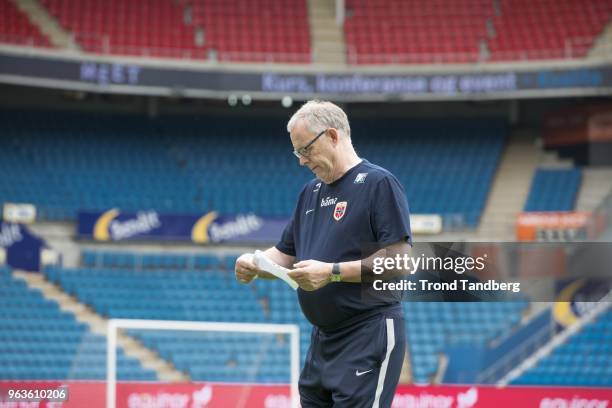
(357, 347)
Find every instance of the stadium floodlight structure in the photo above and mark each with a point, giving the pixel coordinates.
(115, 324)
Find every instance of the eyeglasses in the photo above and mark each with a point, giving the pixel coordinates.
(305, 150)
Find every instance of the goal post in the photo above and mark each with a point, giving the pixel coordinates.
(262, 328)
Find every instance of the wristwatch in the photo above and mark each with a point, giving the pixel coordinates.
(335, 275)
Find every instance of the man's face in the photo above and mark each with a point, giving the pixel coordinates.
(319, 155)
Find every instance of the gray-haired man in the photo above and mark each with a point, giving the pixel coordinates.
(357, 347)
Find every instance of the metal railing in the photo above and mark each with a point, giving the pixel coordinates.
(355, 58)
(27, 41)
(574, 48)
(560, 338)
(599, 224)
(102, 44)
(501, 367)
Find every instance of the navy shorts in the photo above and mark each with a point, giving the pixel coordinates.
(355, 366)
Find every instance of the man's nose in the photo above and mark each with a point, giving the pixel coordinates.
(303, 161)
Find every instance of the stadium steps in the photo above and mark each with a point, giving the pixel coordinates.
(59, 236)
(602, 46)
(48, 25)
(596, 185)
(510, 188)
(328, 46)
(132, 348)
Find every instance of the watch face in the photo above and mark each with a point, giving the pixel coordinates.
(335, 275)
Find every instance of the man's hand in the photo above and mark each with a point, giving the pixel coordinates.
(311, 274)
(245, 268)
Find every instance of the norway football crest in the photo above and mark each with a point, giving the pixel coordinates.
(340, 210)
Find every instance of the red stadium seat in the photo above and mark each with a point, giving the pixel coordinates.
(239, 30)
(415, 31)
(430, 31)
(16, 28)
(137, 27)
(547, 29)
(376, 31)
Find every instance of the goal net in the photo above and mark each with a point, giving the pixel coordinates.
(239, 361)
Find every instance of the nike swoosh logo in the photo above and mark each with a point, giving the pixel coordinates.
(358, 374)
(309, 211)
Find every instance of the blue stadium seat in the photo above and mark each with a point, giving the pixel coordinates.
(38, 341)
(553, 190)
(584, 360)
(63, 163)
(432, 326)
(195, 294)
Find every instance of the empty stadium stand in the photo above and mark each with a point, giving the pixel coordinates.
(456, 184)
(38, 341)
(223, 357)
(16, 28)
(432, 326)
(143, 27)
(547, 29)
(379, 32)
(63, 163)
(584, 360)
(417, 31)
(207, 294)
(131, 260)
(553, 190)
(422, 31)
(254, 31)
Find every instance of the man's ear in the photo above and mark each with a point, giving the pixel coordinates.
(335, 136)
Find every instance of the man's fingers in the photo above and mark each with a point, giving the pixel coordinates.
(302, 264)
(296, 274)
(243, 278)
(244, 269)
(302, 278)
(246, 265)
(245, 274)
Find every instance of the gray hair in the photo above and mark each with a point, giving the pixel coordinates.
(320, 115)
